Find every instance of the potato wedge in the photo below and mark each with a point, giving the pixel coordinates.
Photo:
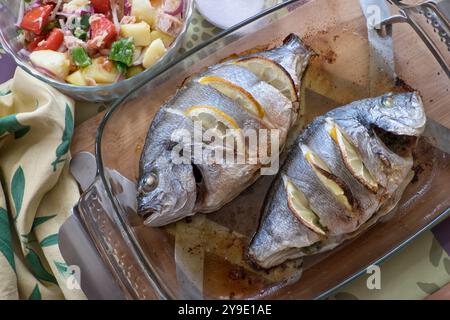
(153, 53)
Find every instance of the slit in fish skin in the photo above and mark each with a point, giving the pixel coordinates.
(299, 206)
(350, 156)
(347, 193)
(330, 181)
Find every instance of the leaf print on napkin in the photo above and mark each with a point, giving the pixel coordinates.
(35, 294)
(17, 190)
(50, 240)
(27, 238)
(40, 220)
(63, 147)
(429, 288)
(5, 93)
(10, 124)
(436, 252)
(62, 268)
(37, 267)
(30, 237)
(5, 239)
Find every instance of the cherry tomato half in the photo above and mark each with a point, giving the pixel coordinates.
(53, 41)
(36, 19)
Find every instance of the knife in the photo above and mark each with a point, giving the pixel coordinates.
(381, 53)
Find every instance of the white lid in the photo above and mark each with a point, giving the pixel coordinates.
(227, 13)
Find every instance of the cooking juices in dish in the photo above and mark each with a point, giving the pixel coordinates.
(96, 42)
(253, 92)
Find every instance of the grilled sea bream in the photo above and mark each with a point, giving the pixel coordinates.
(346, 170)
(257, 91)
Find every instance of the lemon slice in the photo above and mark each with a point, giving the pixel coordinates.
(218, 121)
(299, 205)
(272, 73)
(211, 117)
(351, 157)
(241, 96)
(326, 177)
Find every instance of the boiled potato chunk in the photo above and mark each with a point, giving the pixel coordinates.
(153, 53)
(76, 78)
(143, 11)
(55, 62)
(101, 71)
(140, 32)
(167, 39)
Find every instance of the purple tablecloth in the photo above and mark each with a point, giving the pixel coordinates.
(7, 66)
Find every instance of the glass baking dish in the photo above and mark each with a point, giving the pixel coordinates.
(203, 257)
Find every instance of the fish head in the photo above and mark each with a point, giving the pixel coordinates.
(400, 114)
(166, 191)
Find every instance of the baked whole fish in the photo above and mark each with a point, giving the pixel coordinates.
(256, 91)
(346, 170)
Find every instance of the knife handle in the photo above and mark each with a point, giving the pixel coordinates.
(431, 21)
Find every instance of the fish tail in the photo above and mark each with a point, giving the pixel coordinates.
(293, 43)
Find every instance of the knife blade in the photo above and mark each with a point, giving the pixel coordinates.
(381, 53)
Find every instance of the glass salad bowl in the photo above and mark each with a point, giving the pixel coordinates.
(204, 256)
(9, 11)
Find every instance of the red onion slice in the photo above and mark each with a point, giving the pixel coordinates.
(126, 8)
(178, 10)
(47, 72)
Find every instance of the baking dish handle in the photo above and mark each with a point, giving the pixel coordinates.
(430, 20)
(93, 209)
(93, 218)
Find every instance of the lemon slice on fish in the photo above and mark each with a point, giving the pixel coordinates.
(241, 96)
(272, 73)
(324, 174)
(299, 205)
(211, 118)
(218, 121)
(351, 158)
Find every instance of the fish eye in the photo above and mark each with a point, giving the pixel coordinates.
(387, 100)
(150, 182)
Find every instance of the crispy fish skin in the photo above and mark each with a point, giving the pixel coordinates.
(167, 191)
(282, 236)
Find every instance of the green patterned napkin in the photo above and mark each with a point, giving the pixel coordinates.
(37, 191)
